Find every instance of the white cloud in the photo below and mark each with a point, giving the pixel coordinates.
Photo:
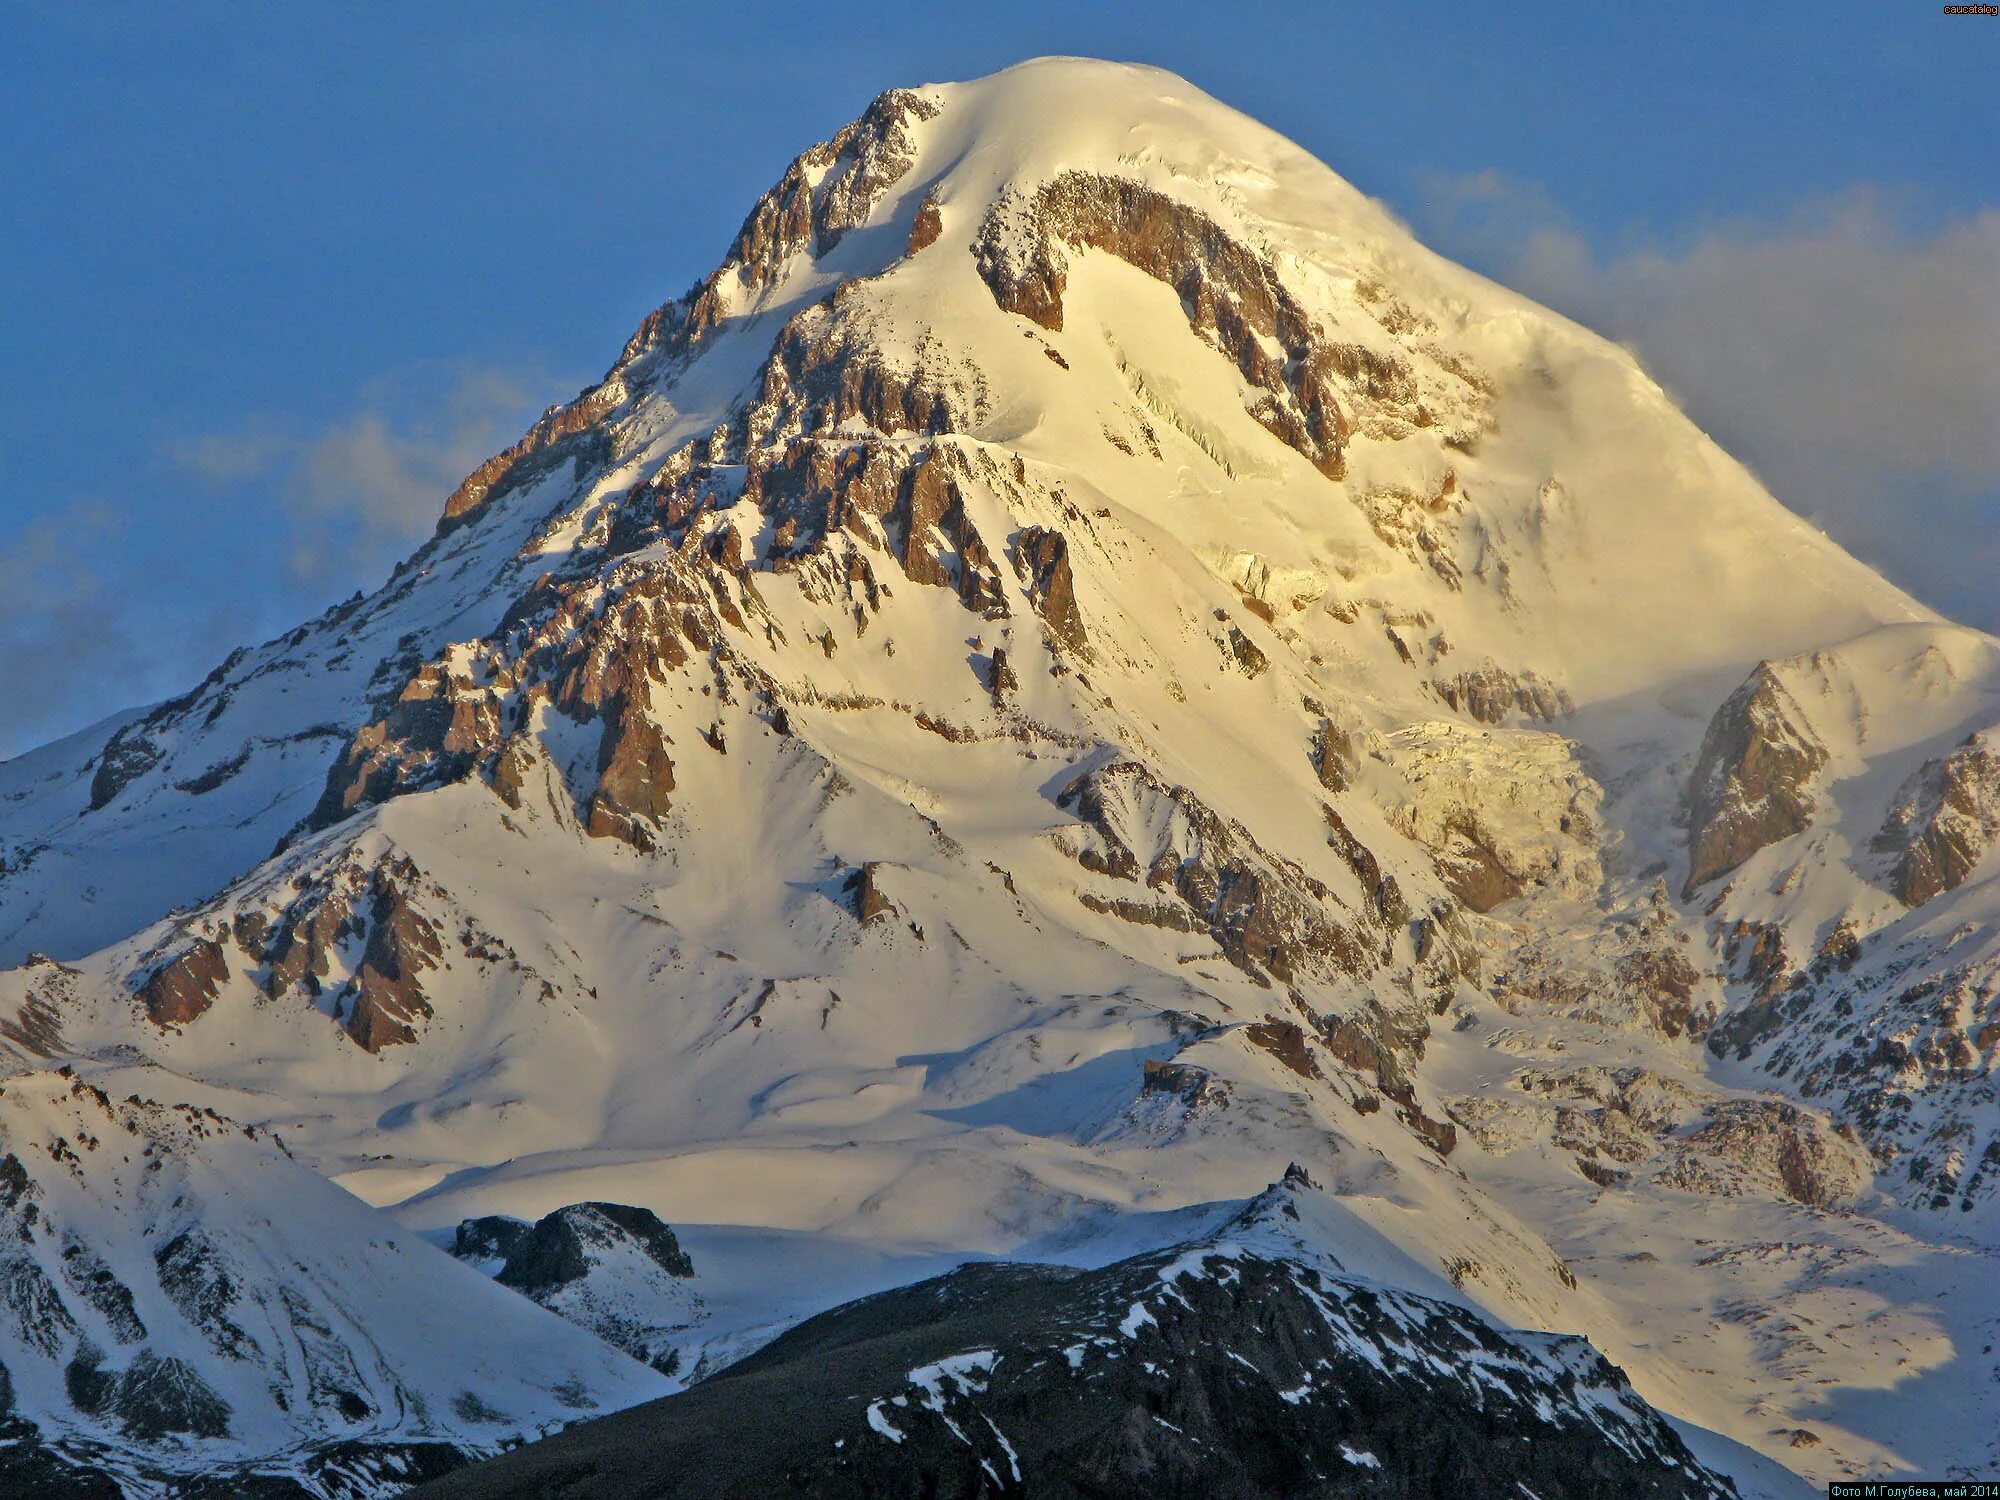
(1850, 359)
(96, 614)
(358, 493)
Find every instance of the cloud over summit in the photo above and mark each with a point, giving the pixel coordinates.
(1850, 358)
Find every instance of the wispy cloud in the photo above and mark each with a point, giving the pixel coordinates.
(1847, 356)
(61, 623)
(359, 492)
(282, 517)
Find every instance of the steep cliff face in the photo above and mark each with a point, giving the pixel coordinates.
(1078, 661)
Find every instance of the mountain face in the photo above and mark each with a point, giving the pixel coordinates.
(1079, 665)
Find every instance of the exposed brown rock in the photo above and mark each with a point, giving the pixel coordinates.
(1490, 694)
(1270, 917)
(388, 997)
(382, 1002)
(1190, 1084)
(1753, 781)
(1162, 914)
(1333, 756)
(1285, 1041)
(562, 433)
(1360, 1042)
(826, 370)
(586, 647)
(1756, 953)
(1232, 296)
(1439, 1135)
(1042, 557)
(1247, 656)
(180, 990)
(929, 509)
(1943, 821)
(853, 170)
(1000, 678)
(511, 768)
(870, 901)
(824, 193)
(1472, 871)
(1385, 897)
(1808, 1158)
(927, 226)
(304, 936)
(635, 778)
(431, 734)
(1666, 980)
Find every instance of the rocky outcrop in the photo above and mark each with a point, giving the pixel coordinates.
(185, 986)
(864, 889)
(570, 433)
(304, 949)
(1638, 1119)
(594, 649)
(1642, 976)
(1334, 755)
(1286, 1041)
(1041, 557)
(433, 732)
(823, 194)
(1269, 917)
(1781, 1143)
(830, 189)
(489, 1238)
(561, 1247)
(127, 755)
(1754, 781)
(387, 999)
(827, 370)
(1667, 985)
(1944, 819)
(1490, 695)
(926, 226)
(1311, 390)
(612, 1268)
(635, 778)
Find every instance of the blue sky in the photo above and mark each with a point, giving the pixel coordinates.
(272, 278)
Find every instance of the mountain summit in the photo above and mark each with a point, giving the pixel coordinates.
(1079, 665)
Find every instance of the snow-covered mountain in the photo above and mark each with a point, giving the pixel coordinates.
(179, 1301)
(1080, 665)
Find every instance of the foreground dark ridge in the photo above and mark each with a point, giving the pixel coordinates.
(1215, 1372)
